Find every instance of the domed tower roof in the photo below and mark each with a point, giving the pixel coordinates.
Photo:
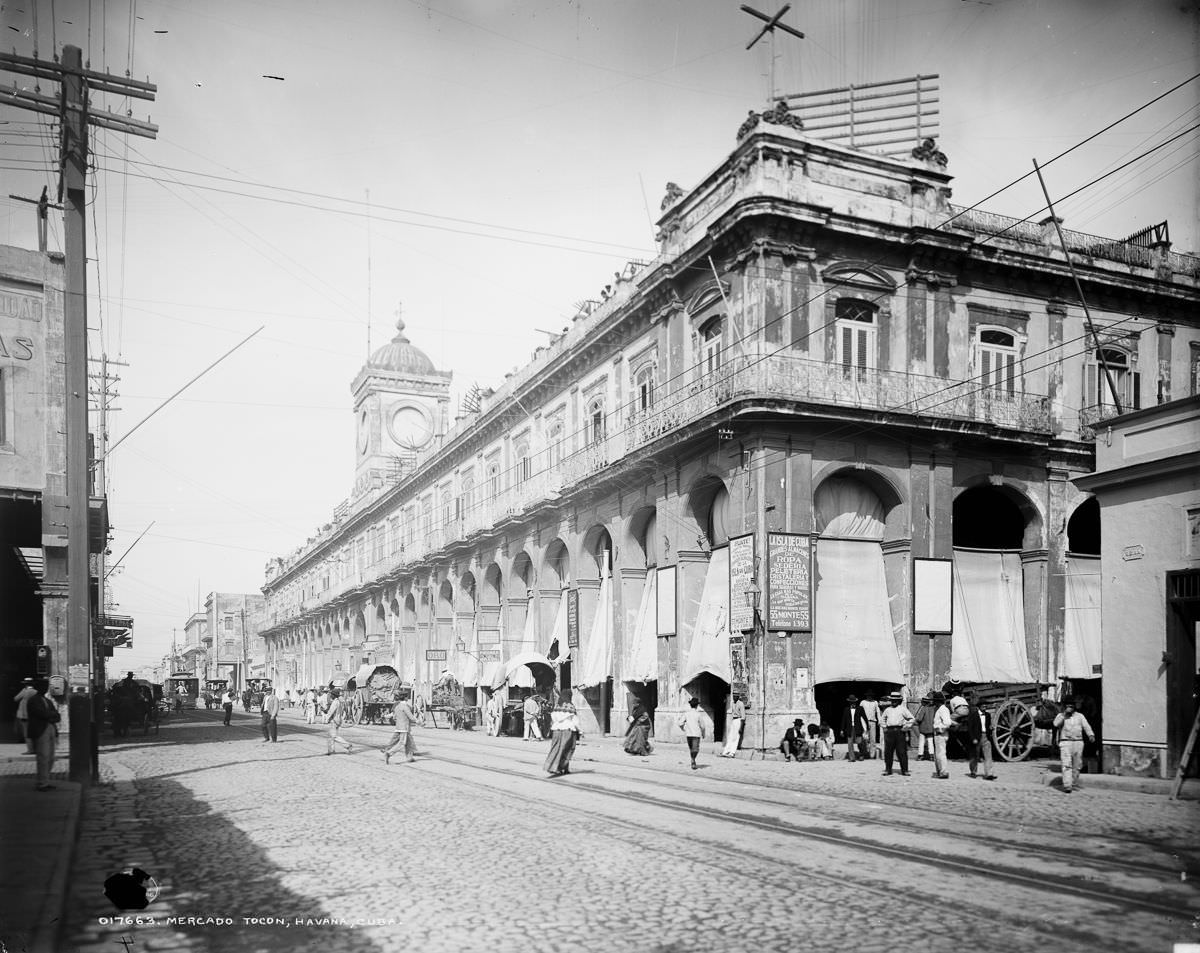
(401, 356)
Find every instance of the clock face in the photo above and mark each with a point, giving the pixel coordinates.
(364, 432)
(410, 427)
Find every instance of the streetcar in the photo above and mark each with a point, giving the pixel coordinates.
(183, 688)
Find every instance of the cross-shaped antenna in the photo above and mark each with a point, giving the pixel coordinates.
(771, 24)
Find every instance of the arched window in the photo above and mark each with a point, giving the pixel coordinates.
(717, 528)
(643, 390)
(996, 360)
(427, 516)
(554, 442)
(466, 498)
(711, 337)
(447, 506)
(595, 416)
(1097, 393)
(523, 469)
(856, 337)
(493, 479)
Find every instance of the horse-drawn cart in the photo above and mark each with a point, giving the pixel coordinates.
(1016, 713)
(372, 692)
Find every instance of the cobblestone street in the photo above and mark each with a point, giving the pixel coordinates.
(278, 847)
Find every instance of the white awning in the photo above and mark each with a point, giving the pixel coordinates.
(1081, 631)
(641, 656)
(559, 633)
(988, 644)
(709, 647)
(596, 665)
(853, 637)
(361, 676)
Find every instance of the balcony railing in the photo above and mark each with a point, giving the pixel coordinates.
(777, 376)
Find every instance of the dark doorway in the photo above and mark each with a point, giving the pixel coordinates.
(1183, 680)
(830, 699)
(713, 693)
(644, 694)
(1083, 529)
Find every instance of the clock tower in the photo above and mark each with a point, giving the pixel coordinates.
(401, 408)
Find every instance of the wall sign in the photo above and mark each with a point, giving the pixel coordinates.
(435, 655)
(738, 681)
(665, 602)
(933, 596)
(741, 573)
(573, 618)
(789, 582)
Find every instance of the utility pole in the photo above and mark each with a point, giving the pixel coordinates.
(74, 113)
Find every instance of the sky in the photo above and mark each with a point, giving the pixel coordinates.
(481, 166)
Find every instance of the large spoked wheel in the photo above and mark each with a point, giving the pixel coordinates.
(1012, 730)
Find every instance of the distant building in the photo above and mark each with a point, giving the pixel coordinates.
(1147, 480)
(224, 641)
(823, 347)
(33, 502)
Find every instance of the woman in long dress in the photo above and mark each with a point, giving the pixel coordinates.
(564, 723)
(637, 735)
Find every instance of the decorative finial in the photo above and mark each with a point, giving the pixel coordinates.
(400, 338)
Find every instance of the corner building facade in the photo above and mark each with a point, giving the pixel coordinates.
(824, 346)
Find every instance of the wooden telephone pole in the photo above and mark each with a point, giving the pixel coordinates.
(75, 115)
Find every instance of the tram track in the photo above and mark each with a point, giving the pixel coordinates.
(502, 763)
(985, 841)
(499, 763)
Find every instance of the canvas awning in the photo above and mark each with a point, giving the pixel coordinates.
(527, 659)
(641, 657)
(853, 637)
(361, 676)
(1081, 631)
(709, 647)
(559, 633)
(988, 644)
(596, 665)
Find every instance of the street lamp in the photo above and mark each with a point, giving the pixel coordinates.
(753, 594)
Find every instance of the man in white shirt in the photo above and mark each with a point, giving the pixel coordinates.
(737, 718)
(270, 716)
(532, 710)
(692, 724)
(1072, 729)
(897, 722)
(941, 734)
(335, 716)
(227, 700)
(870, 709)
(405, 718)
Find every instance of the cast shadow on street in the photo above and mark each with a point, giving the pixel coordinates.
(207, 868)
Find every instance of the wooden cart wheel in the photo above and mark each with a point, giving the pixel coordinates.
(356, 709)
(1012, 730)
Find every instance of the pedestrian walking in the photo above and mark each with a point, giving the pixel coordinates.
(564, 728)
(854, 729)
(44, 717)
(22, 699)
(495, 715)
(402, 738)
(979, 739)
(1073, 728)
(870, 710)
(737, 718)
(270, 716)
(897, 722)
(246, 698)
(692, 724)
(924, 719)
(227, 700)
(310, 707)
(334, 717)
(532, 710)
(942, 723)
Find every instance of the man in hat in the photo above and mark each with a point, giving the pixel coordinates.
(897, 722)
(854, 729)
(43, 727)
(693, 724)
(794, 743)
(22, 699)
(870, 709)
(737, 718)
(980, 740)
(925, 728)
(942, 723)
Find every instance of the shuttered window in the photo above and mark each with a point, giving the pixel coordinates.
(997, 353)
(856, 337)
(1096, 390)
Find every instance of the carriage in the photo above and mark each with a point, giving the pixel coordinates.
(134, 705)
(372, 692)
(214, 688)
(184, 689)
(448, 700)
(1019, 716)
(258, 688)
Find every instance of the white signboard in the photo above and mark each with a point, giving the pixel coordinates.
(933, 596)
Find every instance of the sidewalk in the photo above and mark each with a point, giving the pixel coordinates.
(37, 838)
